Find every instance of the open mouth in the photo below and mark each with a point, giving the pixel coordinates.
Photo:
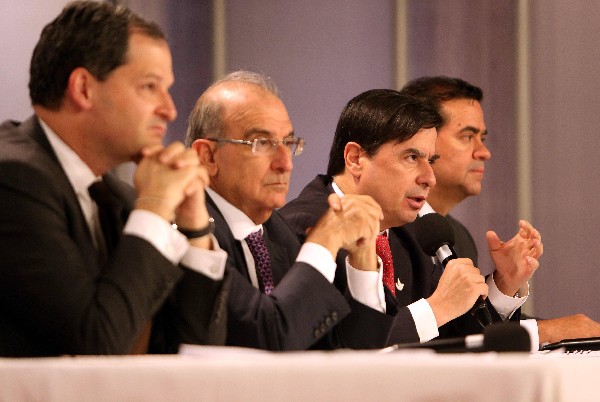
(416, 202)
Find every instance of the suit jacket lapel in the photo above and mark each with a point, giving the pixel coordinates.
(227, 242)
(78, 228)
(280, 263)
(123, 196)
(425, 274)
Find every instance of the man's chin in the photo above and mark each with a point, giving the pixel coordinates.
(401, 220)
(278, 203)
(473, 189)
(409, 219)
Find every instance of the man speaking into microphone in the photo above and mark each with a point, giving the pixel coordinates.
(383, 147)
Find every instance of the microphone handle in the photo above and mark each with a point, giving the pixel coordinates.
(481, 312)
(480, 309)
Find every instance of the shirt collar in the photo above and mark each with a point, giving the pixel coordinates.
(239, 223)
(336, 189)
(79, 174)
(426, 209)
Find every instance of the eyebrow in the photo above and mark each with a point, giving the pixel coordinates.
(473, 130)
(159, 78)
(154, 76)
(151, 74)
(261, 131)
(420, 154)
(415, 151)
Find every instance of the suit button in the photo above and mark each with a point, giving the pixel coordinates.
(317, 333)
(328, 321)
(334, 315)
(323, 328)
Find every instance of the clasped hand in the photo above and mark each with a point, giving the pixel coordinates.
(352, 222)
(170, 182)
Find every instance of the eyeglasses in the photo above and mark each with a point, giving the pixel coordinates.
(267, 145)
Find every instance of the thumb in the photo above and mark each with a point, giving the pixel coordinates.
(334, 202)
(494, 242)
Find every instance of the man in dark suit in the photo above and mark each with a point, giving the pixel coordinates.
(459, 173)
(244, 138)
(384, 146)
(73, 282)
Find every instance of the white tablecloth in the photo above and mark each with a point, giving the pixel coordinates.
(225, 374)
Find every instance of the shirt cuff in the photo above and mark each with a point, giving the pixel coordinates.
(366, 287)
(210, 263)
(319, 258)
(424, 319)
(506, 305)
(532, 328)
(158, 232)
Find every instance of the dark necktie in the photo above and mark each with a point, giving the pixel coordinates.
(384, 252)
(262, 260)
(109, 213)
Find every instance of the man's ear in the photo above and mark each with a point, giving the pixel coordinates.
(206, 152)
(80, 88)
(353, 154)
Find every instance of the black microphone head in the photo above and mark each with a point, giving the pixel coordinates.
(433, 231)
(506, 337)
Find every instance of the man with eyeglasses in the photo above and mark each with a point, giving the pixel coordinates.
(282, 296)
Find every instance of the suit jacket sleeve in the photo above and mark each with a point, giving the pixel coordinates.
(188, 317)
(302, 309)
(54, 297)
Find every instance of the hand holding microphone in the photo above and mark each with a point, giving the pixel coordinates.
(461, 282)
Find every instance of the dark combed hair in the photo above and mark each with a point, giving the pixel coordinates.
(376, 117)
(435, 90)
(89, 34)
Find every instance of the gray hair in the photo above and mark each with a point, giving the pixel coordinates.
(205, 118)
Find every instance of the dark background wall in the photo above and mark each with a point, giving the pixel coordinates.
(322, 53)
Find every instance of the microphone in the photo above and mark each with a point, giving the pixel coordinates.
(497, 337)
(436, 238)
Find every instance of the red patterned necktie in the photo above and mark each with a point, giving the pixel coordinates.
(384, 252)
(262, 259)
